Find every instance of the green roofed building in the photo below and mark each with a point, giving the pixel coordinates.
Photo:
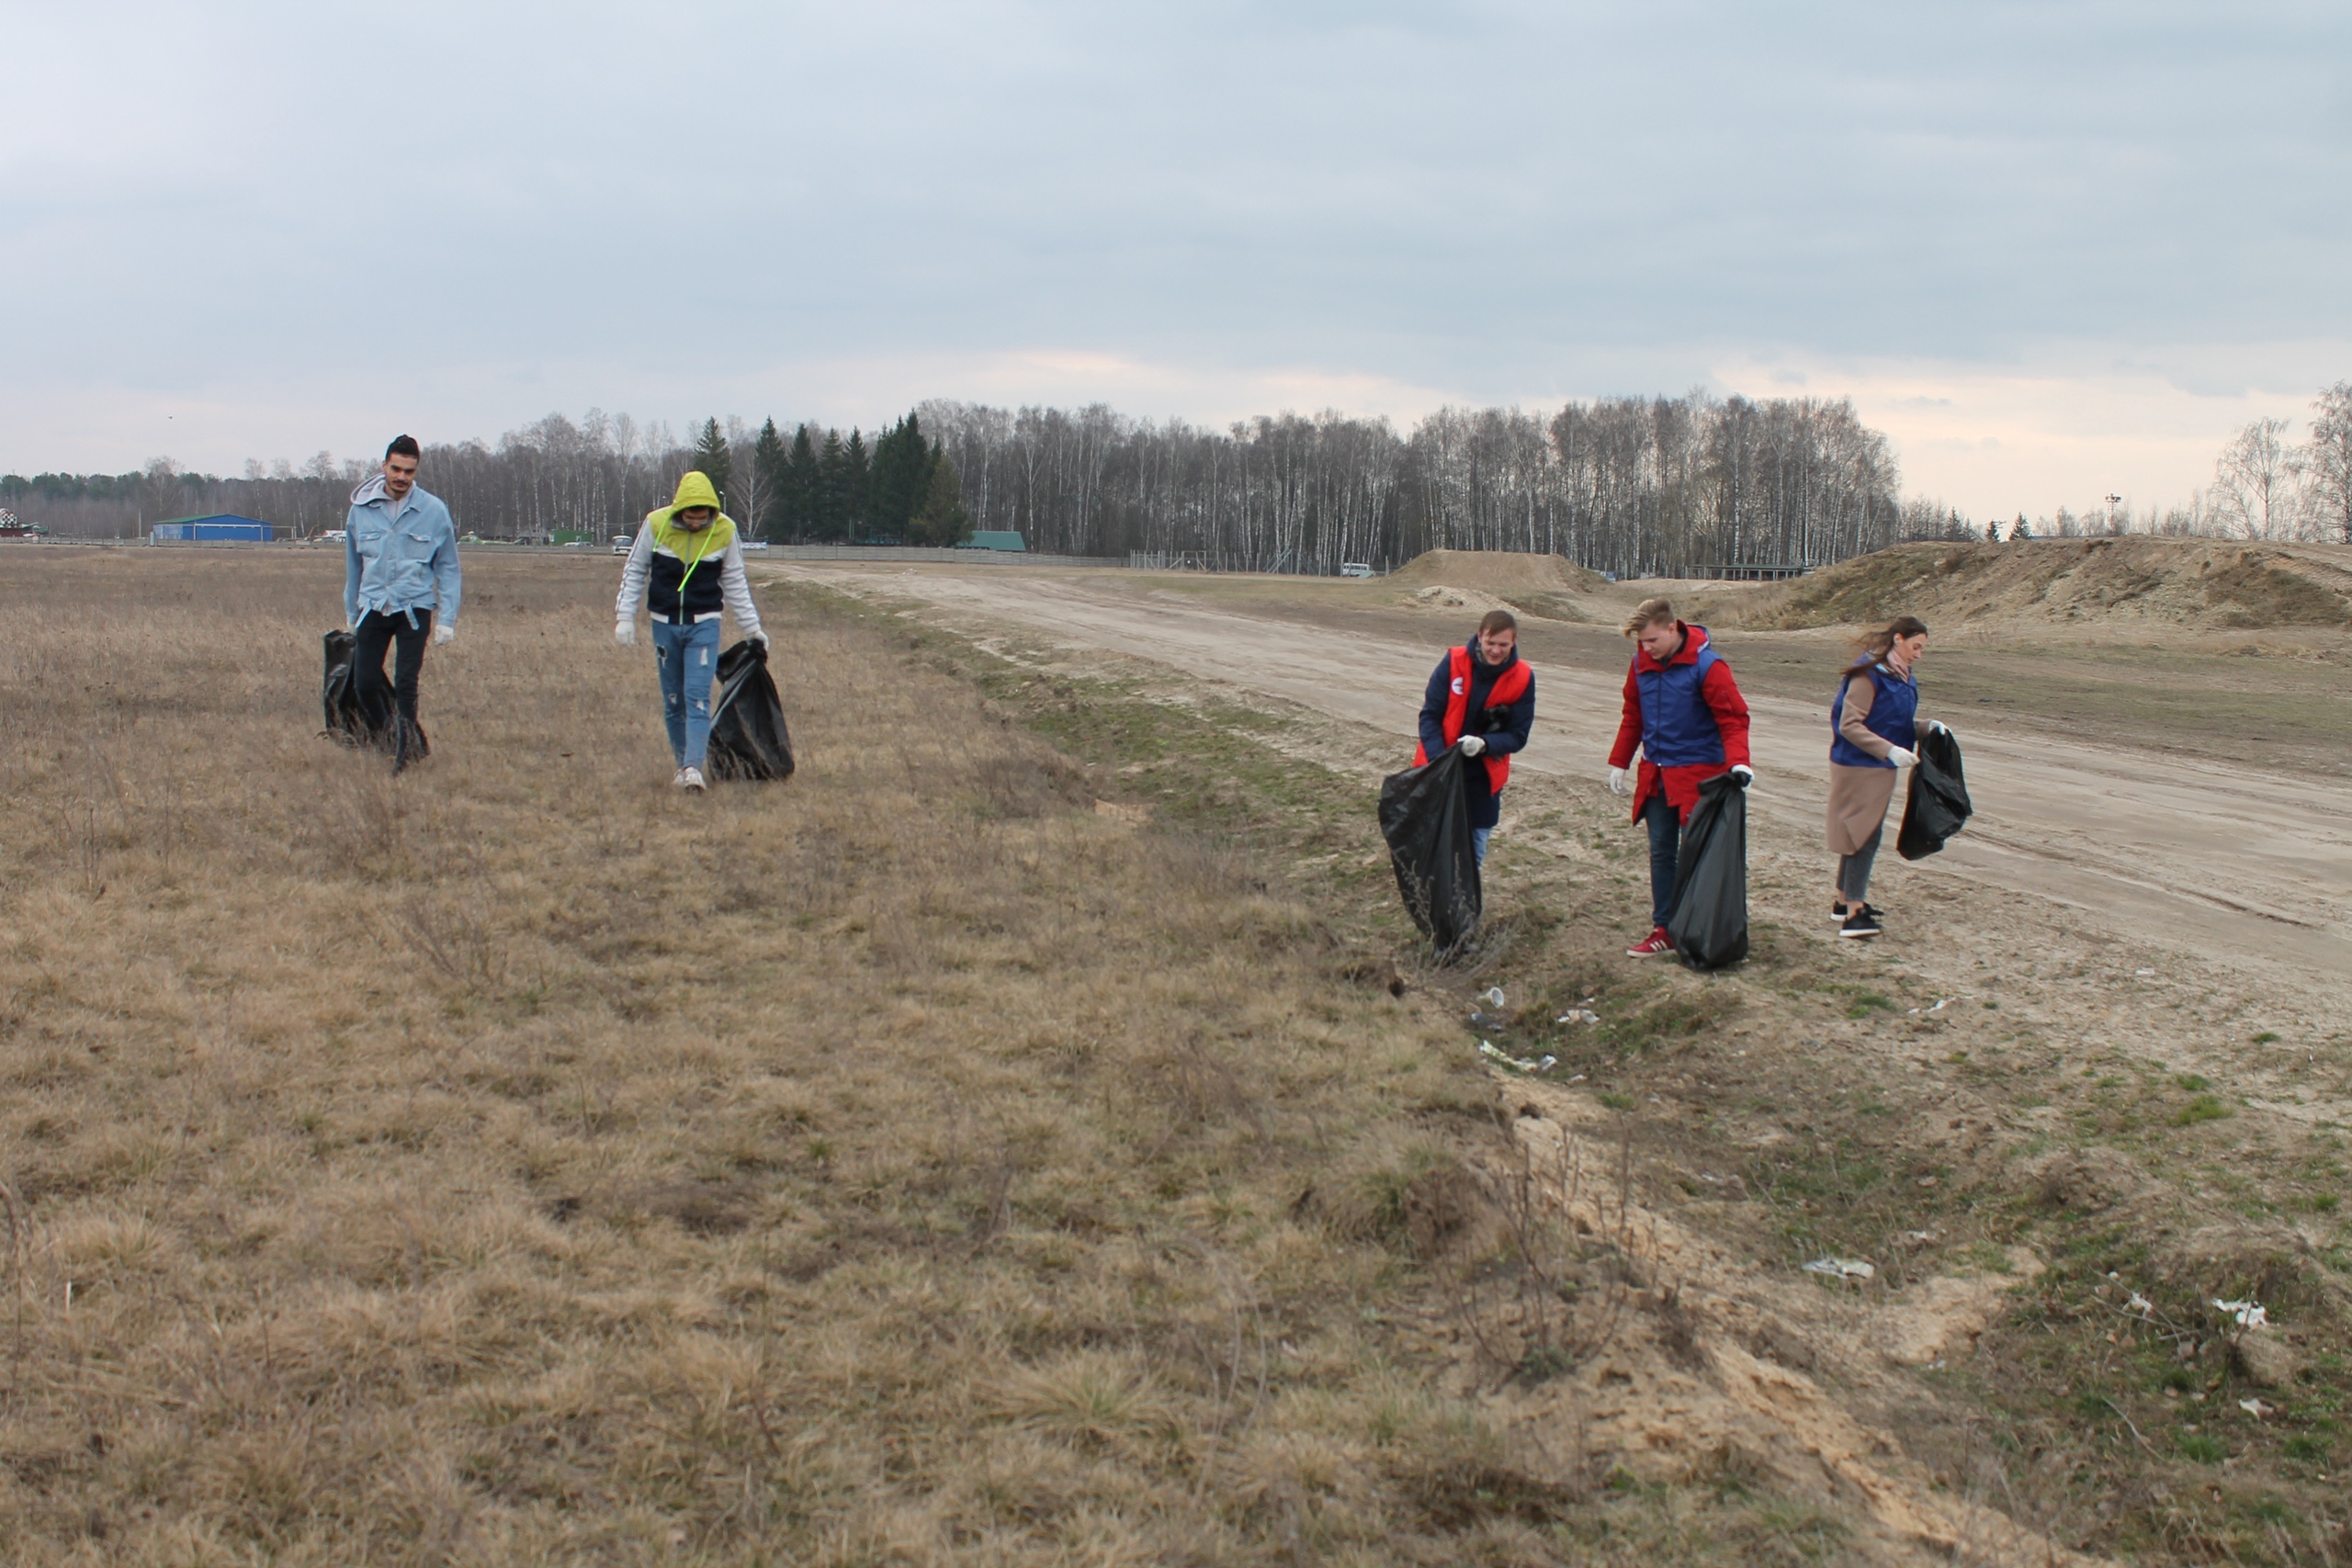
(995, 539)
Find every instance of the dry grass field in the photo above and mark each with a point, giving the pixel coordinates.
(1028, 1135)
(514, 1163)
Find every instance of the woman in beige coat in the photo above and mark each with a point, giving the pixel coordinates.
(1874, 735)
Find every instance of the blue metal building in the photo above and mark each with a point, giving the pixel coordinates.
(216, 526)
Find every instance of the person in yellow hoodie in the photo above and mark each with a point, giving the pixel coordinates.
(686, 566)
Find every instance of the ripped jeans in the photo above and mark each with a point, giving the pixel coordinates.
(688, 657)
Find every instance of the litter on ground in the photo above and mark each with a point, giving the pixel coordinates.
(2257, 1408)
(1841, 1268)
(1578, 1015)
(1492, 995)
(1517, 1063)
(2249, 1315)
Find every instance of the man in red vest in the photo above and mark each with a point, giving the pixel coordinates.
(1482, 698)
(1683, 711)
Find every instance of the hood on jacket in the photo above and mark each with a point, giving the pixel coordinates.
(372, 489)
(694, 489)
(1693, 639)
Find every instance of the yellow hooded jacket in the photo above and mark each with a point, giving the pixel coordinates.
(688, 568)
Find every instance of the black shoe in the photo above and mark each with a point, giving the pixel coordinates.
(1861, 923)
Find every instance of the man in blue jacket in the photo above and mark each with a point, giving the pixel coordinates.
(1481, 698)
(400, 553)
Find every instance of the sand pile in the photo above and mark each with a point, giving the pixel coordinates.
(1503, 573)
(1533, 584)
(2207, 585)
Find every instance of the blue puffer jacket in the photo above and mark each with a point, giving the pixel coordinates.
(393, 564)
(1894, 707)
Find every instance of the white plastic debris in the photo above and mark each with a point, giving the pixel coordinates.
(1517, 1063)
(1577, 1015)
(1841, 1268)
(1492, 995)
(2249, 1315)
(2139, 1305)
(2142, 974)
(2257, 1408)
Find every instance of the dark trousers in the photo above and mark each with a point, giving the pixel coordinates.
(369, 639)
(1665, 824)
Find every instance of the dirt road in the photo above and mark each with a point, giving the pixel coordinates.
(2190, 855)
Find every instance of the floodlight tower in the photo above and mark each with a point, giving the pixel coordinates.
(2112, 502)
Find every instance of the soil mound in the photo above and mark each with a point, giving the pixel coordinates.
(1500, 572)
(1532, 584)
(2201, 583)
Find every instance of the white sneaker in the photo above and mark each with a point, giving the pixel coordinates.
(678, 779)
(690, 780)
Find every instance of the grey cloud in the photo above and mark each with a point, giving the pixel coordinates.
(1484, 196)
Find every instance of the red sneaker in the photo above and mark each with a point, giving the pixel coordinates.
(1659, 943)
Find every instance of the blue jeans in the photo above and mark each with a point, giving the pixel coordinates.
(688, 657)
(1478, 842)
(1665, 824)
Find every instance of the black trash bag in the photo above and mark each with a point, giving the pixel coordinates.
(349, 718)
(1707, 916)
(1425, 817)
(748, 740)
(1938, 806)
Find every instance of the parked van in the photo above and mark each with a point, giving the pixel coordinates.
(1355, 568)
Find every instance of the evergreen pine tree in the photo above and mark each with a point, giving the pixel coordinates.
(2021, 529)
(797, 497)
(901, 479)
(856, 476)
(711, 456)
(1992, 532)
(768, 464)
(941, 519)
(833, 523)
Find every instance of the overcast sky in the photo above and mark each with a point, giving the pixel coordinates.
(2053, 249)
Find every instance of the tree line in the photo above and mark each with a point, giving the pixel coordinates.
(1637, 486)
(592, 479)
(1633, 485)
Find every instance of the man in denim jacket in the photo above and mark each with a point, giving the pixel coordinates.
(400, 568)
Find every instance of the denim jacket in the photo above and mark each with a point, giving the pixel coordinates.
(395, 562)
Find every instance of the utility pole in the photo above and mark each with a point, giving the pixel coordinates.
(2112, 502)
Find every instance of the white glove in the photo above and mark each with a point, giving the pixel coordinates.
(1900, 758)
(625, 633)
(1472, 745)
(1744, 773)
(760, 637)
(444, 633)
(1617, 785)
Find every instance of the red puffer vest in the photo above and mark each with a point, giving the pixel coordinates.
(1508, 687)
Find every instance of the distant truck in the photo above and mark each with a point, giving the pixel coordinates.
(13, 527)
(1355, 569)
